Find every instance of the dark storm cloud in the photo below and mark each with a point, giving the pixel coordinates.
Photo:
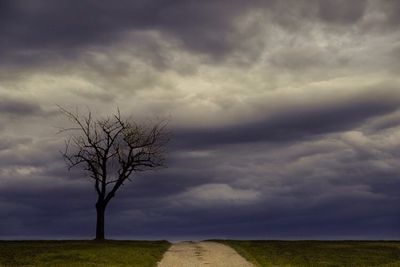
(317, 207)
(382, 123)
(50, 208)
(18, 107)
(332, 201)
(40, 197)
(341, 11)
(37, 31)
(298, 121)
(297, 60)
(39, 28)
(26, 152)
(392, 9)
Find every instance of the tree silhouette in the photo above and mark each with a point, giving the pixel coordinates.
(111, 150)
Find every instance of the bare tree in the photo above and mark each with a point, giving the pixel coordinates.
(111, 150)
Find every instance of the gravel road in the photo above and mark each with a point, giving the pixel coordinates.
(196, 254)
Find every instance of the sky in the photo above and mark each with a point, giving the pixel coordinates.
(285, 116)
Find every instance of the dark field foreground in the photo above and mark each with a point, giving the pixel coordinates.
(81, 253)
(318, 253)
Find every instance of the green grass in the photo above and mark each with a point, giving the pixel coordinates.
(81, 253)
(318, 253)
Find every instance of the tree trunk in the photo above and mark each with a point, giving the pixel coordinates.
(100, 209)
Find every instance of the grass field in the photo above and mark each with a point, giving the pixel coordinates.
(318, 253)
(81, 253)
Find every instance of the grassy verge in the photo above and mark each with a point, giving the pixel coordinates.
(318, 253)
(81, 253)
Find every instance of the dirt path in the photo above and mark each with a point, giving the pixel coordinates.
(196, 254)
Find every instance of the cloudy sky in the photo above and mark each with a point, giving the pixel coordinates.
(285, 116)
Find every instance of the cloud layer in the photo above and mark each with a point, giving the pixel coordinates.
(285, 116)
